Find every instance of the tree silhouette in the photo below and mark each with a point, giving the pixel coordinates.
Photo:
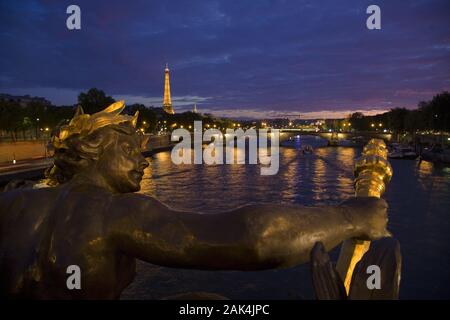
(94, 100)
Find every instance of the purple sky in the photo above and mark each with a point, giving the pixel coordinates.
(234, 58)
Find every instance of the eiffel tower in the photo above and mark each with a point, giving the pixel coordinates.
(167, 103)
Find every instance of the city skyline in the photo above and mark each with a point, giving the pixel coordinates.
(252, 60)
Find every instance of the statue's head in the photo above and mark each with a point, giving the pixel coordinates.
(103, 148)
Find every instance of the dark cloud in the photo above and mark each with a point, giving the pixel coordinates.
(257, 55)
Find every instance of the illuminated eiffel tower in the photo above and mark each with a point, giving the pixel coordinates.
(167, 103)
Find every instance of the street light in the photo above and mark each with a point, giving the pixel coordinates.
(37, 128)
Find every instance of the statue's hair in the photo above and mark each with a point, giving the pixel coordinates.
(83, 124)
(80, 152)
(81, 141)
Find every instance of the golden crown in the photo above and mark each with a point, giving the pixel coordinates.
(84, 124)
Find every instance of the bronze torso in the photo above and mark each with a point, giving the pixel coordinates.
(44, 231)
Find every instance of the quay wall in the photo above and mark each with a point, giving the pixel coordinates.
(23, 150)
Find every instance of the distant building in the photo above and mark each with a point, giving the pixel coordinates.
(195, 108)
(23, 100)
(167, 102)
(320, 122)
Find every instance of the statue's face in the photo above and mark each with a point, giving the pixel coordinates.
(121, 164)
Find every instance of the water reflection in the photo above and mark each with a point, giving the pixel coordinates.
(291, 176)
(319, 187)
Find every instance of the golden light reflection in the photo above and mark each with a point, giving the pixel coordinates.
(291, 174)
(345, 159)
(163, 156)
(319, 178)
(425, 168)
(235, 175)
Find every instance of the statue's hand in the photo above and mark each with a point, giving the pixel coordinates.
(369, 217)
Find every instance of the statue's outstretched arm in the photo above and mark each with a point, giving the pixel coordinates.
(252, 237)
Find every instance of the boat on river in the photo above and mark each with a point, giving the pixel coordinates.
(402, 152)
(436, 154)
(307, 149)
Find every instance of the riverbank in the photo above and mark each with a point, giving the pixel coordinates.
(23, 150)
(33, 167)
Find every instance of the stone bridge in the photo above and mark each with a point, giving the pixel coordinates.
(336, 136)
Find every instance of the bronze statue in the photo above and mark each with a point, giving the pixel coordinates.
(92, 218)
